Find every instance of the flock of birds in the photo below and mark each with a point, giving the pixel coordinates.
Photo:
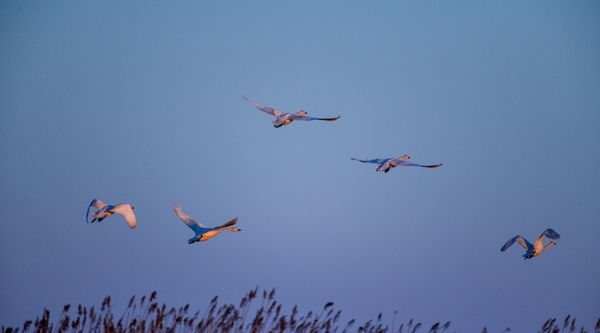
(203, 233)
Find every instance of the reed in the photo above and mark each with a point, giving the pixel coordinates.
(147, 316)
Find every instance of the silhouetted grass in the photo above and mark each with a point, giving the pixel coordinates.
(148, 316)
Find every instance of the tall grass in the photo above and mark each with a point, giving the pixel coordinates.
(148, 316)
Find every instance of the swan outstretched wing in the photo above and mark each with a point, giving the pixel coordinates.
(96, 203)
(87, 214)
(307, 118)
(193, 224)
(127, 211)
(403, 162)
(519, 239)
(227, 224)
(263, 108)
(550, 233)
(376, 161)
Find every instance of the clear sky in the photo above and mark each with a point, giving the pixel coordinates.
(140, 102)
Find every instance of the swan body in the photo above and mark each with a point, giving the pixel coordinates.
(535, 249)
(386, 164)
(284, 118)
(202, 232)
(105, 211)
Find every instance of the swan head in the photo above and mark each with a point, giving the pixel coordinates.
(301, 112)
(236, 229)
(404, 157)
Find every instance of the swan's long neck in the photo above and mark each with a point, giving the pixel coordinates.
(218, 231)
(212, 233)
(549, 245)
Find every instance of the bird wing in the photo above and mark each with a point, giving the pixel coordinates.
(377, 160)
(403, 162)
(307, 118)
(263, 108)
(96, 203)
(227, 224)
(193, 224)
(550, 233)
(519, 239)
(125, 210)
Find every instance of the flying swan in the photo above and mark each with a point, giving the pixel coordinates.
(284, 118)
(533, 250)
(202, 232)
(105, 211)
(386, 164)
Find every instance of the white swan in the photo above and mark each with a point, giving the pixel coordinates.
(105, 211)
(284, 118)
(386, 164)
(202, 232)
(533, 250)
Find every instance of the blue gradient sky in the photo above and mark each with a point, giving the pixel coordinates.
(140, 102)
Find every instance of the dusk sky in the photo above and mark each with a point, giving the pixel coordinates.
(140, 102)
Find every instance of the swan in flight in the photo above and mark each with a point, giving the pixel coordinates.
(284, 118)
(533, 250)
(202, 232)
(386, 164)
(105, 211)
